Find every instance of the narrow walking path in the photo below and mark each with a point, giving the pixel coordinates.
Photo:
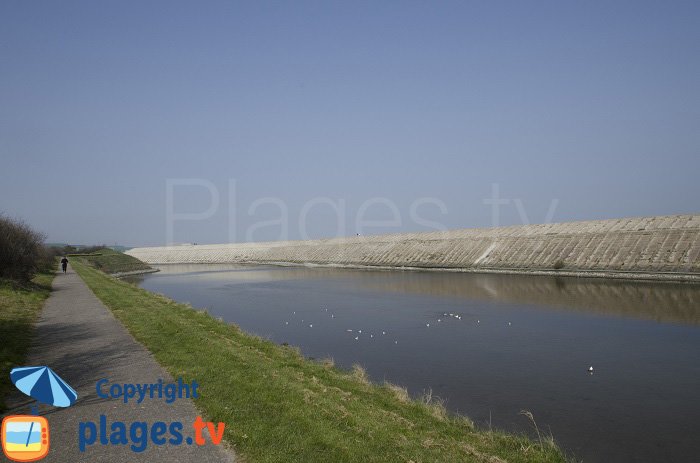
(79, 338)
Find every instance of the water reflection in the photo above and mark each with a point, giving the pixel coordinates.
(662, 302)
(512, 343)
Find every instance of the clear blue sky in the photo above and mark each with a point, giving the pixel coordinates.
(593, 104)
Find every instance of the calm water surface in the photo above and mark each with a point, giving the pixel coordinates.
(520, 343)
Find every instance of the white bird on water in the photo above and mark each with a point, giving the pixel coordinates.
(356, 338)
(590, 369)
(311, 326)
(428, 325)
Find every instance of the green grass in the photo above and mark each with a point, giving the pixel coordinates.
(110, 261)
(20, 305)
(280, 407)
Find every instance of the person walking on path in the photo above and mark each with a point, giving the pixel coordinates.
(64, 264)
(80, 338)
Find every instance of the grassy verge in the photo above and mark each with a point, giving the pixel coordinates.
(110, 261)
(281, 407)
(20, 305)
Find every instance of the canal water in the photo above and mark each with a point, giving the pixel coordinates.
(489, 345)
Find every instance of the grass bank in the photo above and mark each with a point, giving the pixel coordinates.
(20, 305)
(113, 262)
(281, 407)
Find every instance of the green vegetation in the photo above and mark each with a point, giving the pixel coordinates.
(110, 261)
(281, 407)
(20, 304)
(22, 251)
(22, 292)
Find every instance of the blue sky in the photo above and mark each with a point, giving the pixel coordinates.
(573, 110)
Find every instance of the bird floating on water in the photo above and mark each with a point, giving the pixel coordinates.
(428, 325)
(383, 332)
(590, 369)
(356, 338)
(311, 326)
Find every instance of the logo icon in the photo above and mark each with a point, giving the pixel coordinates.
(25, 437)
(43, 385)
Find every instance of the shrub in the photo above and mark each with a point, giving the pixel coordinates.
(47, 261)
(22, 251)
(559, 264)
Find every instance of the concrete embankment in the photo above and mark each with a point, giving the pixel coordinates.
(665, 247)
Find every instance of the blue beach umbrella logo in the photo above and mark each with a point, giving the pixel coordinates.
(43, 385)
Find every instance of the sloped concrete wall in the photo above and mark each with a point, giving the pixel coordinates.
(646, 244)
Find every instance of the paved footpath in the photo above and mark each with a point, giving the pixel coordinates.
(79, 338)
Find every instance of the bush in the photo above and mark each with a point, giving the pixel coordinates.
(559, 264)
(49, 259)
(22, 251)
